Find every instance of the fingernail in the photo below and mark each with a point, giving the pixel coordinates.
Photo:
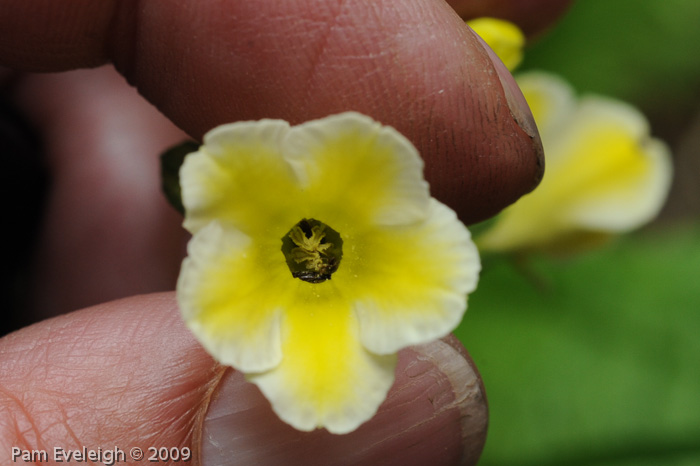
(434, 414)
(516, 101)
(469, 397)
(239, 424)
(519, 108)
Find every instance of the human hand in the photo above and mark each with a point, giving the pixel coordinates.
(127, 373)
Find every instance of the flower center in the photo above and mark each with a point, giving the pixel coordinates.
(312, 250)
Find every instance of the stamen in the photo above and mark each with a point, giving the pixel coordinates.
(313, 251)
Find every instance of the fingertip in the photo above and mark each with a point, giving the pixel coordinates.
(411, 65)
(435, 414)
(107, 231)
(533, 154)
(125, 373)
(446, 362)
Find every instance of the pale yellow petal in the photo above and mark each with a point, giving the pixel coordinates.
(604, 174)
(409, 285)
(354, 168)
(552, 102)
(239, 177)
(326, 378)
(230, 292)
(632, 173)
(504, 38)
(526, 225)
(318, 348)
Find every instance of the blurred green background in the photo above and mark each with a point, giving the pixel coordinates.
(595, 359)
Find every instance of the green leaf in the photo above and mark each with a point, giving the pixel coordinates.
(599, 364)
(170, 162)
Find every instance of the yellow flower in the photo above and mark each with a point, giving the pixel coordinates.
(317, 254)
(504, 38)
(604, 175)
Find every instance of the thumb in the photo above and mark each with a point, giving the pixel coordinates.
(411, 65)
(128, 374)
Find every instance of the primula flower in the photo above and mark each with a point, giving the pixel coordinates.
(317, 254)
(504, 38)
(604, 175)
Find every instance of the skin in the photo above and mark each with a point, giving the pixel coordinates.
(127, 372)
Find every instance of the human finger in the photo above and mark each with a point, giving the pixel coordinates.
(411, 65)
(128, 374)
(107, 231)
